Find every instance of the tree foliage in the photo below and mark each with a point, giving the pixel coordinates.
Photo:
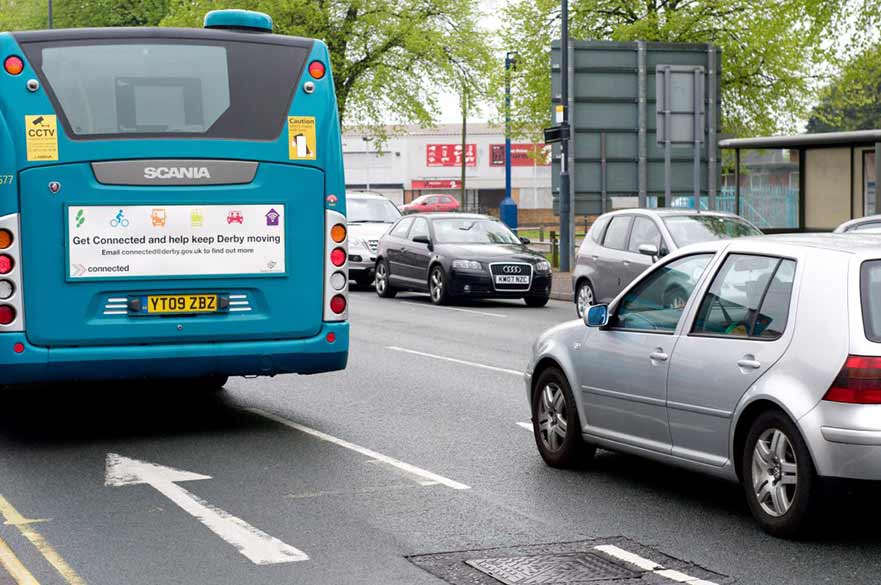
(389, 57)
(32, 14)
(772, 50)
(852, 101)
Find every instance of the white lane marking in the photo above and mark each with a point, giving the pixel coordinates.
(455, 360)
(651, 566)
(525, 425)
(259, 547)
(484, 313)
(422, 474)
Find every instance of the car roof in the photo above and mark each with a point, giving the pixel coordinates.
(454, 215)
(364, 195)
(853, 244)
(667, 212)
(858, 221)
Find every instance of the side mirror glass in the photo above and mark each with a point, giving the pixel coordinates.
(597, 316)
(525, 241)
(649, 250)
(422, 239)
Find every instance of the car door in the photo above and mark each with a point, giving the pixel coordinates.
(739, 331)
(417, 254)
(623, 367)
(609, 258)
(644, 231)
(395, 248)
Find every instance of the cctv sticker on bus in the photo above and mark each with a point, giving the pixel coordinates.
(175, 240)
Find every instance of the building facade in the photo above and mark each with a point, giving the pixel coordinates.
(416, 161)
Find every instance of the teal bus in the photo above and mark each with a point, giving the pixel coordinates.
(172, 204)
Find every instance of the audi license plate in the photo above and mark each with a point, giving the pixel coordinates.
(182, 303)
(512, 279)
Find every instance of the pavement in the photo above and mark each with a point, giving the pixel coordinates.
(561, 287)
(359, 477)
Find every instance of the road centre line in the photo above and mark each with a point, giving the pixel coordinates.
(650, 566)
(14, 567)
(472, 311)
(25, 527)
(455, 360)
(525, 425)
(423, 474)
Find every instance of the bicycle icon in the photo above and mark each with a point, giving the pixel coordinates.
(119, 220)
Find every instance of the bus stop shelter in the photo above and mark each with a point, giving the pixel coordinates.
(808, 182)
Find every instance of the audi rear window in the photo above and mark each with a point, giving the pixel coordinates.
(105, 88)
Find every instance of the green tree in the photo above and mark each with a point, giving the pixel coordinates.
(771, 49)
(852, 101)
(389, 57)
(32, 14)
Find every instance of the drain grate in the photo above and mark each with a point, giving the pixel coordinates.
(560, 569)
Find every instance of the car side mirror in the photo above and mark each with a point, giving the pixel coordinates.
(420, 239)
(649, 250)
(525, 241)
(597, 316)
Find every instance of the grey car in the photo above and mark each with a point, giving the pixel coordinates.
(865, 225)
(735, 382)
(369, 215)
(622, 244)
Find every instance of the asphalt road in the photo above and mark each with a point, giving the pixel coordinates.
(414, 449)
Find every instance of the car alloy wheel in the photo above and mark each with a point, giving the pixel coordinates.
(774, 472)
(552, 423)
(381, 278)
(584, 298)
(437, 285)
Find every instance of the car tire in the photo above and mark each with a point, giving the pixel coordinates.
(383, 285)
(437, 285)
(584, 288)
(779, 477)
(536, 301)
(555, 424)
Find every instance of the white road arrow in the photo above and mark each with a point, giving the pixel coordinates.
(259, 547)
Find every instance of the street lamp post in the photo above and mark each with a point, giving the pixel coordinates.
(565, 208)
(50, 13)
(508, 208)
(366, 140)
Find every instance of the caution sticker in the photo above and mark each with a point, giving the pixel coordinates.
(301, 138)
(41, 134)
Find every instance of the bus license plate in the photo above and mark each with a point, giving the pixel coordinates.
(182, 303)
(504, 279)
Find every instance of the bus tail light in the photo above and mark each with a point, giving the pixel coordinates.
(13, 65)
(11, 297)
(317, 69)
(858, 382)
(336, 273)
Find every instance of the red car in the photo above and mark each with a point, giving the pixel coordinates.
(427, 203)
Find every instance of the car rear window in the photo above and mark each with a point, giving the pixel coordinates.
(169, 87)
(692, 229)
(616, 233)
(870, 293)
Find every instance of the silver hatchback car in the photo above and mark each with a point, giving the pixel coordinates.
(622, 244)
(769, 374)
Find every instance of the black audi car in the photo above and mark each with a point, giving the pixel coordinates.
(458, 255)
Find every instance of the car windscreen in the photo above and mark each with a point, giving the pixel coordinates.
(169, 87)
(359, 210)
(692, 229)
(472, 231)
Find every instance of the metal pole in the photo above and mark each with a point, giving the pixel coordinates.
(643, 130)
(508, 126)
(712, 176)
(367, 161)
(698, 134)
(50, 13)
(565, 239)
(668, 166)
(573, 178)
(464, 135)
(737, 182)
(603, 179)
(877, 176)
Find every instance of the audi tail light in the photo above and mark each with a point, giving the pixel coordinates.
(858, 382)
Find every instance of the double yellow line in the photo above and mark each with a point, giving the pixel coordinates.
(14, 566)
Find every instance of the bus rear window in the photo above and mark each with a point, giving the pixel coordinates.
(231, 90)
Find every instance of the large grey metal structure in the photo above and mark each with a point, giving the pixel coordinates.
(613, 104)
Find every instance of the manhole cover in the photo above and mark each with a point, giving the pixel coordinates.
(559, 569)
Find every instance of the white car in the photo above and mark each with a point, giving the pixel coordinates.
(369, 216)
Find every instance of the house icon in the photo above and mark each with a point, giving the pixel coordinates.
(272, 217)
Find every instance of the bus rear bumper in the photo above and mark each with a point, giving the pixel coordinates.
(260, 358)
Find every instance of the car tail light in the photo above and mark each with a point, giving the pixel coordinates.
(6, 263)
(5, 239)
(336, 274)
(317, 69)
(7, 314)
(858, 382)
(13, 65)
(11, 297)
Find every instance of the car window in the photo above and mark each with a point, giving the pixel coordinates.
(420, 228)
(616, 233)
(872, 227)
(400, 230)
(870, 293)
(656, 303)
(448, 199)
(596, 230)
(644, 232)
(691, 229)
(749, 297)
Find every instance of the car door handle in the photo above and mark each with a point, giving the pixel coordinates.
(595, 257)
(749, 362)
(658, 355)
(626, 262)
